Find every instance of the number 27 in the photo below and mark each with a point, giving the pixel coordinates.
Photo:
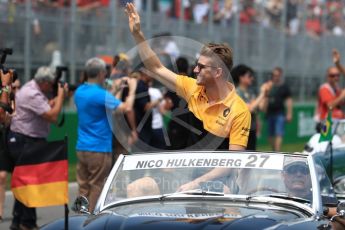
(253, 161)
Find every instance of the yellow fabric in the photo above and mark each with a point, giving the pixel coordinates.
(227, 118)
(42, 195)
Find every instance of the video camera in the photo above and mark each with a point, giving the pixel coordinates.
(61, 77)
(4, 53)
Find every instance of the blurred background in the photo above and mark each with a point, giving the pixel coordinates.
(294, 34)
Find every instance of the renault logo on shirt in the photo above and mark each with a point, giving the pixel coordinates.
(226, 112)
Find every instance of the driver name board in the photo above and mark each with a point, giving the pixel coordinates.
(219, 160)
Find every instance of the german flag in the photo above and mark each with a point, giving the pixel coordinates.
(40, 176)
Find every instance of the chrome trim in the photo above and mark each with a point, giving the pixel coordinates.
(279, 202)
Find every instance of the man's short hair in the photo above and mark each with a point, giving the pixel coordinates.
(279, 69)
(94, 66)
(222, 51)
(44, 74)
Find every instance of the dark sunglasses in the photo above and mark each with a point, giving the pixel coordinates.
(297, 168)
(202, 66)
(334, 75)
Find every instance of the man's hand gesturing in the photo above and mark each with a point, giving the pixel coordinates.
(336, 56)
(133, 18)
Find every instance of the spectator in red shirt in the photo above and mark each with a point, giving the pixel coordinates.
(91, 4)
(248, 14)
(313, 24)
(331, 96)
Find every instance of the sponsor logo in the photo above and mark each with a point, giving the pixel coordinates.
(245, 129)
(226, 112)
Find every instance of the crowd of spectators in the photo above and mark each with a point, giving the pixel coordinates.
(315, 17)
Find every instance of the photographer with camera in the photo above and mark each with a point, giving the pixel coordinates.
(5, 163)
(7, 77)
(30, 126)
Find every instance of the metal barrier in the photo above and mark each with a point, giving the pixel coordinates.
(79, 35)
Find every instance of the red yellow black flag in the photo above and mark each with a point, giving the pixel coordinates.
(40, 176)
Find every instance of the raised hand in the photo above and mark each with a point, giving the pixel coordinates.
(133, 18)
(266, 87)
(336, 56)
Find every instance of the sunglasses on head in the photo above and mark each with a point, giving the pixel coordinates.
(297, 168)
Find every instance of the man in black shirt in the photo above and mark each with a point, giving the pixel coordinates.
(279, 109)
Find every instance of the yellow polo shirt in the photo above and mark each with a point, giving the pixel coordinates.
(227, 118)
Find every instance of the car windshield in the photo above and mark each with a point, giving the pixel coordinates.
(339, 127)
(333, 160)
(249, 174)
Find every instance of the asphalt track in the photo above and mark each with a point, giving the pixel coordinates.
(44, 215)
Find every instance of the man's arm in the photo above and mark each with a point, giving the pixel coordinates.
(289, 109)
(153, 104)
(132, 124)
(266, 87)
(128, 104)
(53, 114)
(211, 175)
(337, 101)
(336, 61)
(148, 57)
(236, 147)
(6, 80)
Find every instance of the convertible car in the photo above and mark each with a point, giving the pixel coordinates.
(211, 190)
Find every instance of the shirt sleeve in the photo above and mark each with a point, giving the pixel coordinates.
(240, 128)
(185, 86)
(111, 102)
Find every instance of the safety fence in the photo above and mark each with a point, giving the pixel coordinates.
(36, 32)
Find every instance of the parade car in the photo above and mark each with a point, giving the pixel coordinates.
(211, 190)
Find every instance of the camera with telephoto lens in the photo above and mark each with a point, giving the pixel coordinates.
(61, 77)
(4, 53)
